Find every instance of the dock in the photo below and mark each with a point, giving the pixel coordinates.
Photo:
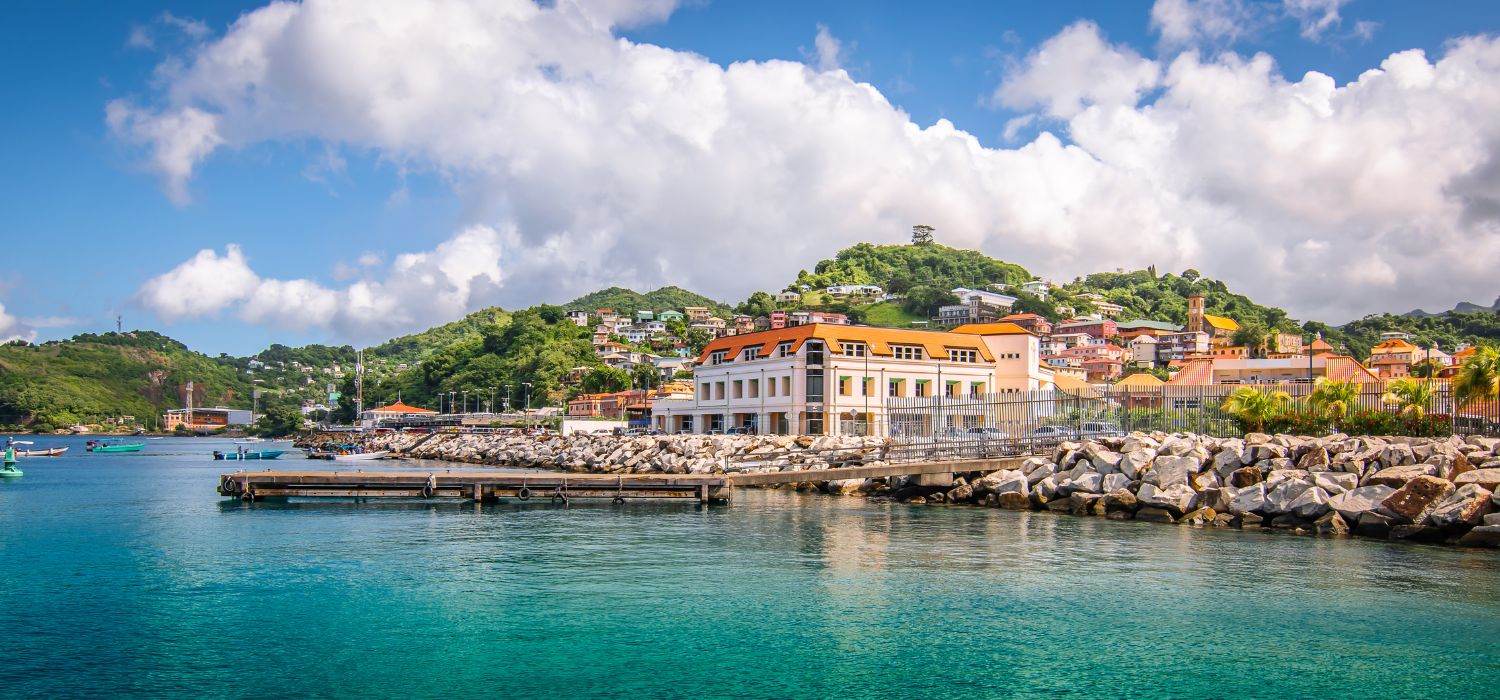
(491, 486)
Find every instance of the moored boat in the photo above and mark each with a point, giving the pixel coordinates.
(358, 456)
(49, 452)
(113, 446)
(249, 454)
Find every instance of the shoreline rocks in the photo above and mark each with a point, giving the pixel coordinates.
(1418, 489)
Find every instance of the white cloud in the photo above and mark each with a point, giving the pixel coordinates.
(605, 161)
(1315, 16)
(830, 51)
(1183, 22)
(12, 328)
(1075, 69)
(417, 290)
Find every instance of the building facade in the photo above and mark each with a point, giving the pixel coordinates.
(829, 379)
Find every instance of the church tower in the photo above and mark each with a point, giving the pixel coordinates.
(1195, 313)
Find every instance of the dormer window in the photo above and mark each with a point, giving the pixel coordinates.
(717, 357)
(784, 350)
(907, 352)
(963, 355)
(750, 354)
(854, 349)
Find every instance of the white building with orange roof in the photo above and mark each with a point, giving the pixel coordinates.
(836, 380)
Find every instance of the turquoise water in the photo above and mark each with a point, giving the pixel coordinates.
(126, 575)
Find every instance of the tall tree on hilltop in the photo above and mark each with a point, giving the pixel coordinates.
(921, 234)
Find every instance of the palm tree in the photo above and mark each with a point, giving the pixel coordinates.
(1479, 378)
(1409, 395)
(1333, 399)
(1254, 407)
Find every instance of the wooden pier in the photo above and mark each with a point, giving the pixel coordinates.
(488, 486)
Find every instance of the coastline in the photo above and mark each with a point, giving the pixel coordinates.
(1427, 490)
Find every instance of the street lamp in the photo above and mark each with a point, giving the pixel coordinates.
(490, 407)
(451, 396)
(505, 404)
(527, 394)
(465, 409)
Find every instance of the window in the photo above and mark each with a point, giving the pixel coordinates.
(703, 394)
(718, 391)
(786, 385)
(750, 353)
(771, 387)
(814, 353)
(814, 386)
(894, 388)
(976, 389)
(907, 352)
(784, 350)
(854, 349)
(950, 389)
(963, 355)
(845, 384)
(924, 388)
(754, 388)
(739, 388)
(717, 357)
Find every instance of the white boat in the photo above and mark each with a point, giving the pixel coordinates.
(51, 452)
(359, 456)
(249, 440)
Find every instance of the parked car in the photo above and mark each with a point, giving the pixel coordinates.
(988, 433)
(1101, 429)
(741, 430)
(1053, 433)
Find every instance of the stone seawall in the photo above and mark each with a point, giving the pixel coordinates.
(1427, 490)
(610, 454)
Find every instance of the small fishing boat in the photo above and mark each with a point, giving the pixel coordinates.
(49, 452)
(358, 456)
(249, 440)
(249, 454)
(113, 446)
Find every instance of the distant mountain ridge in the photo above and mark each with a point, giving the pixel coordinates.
(1463, 307)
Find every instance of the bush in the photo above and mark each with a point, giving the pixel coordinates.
(1300, 423)
(1362, 423)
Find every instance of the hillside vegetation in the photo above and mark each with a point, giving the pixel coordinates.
(627, 302)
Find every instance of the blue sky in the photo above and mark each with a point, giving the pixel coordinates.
(87, 220)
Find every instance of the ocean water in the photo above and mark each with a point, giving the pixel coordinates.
(127, 576)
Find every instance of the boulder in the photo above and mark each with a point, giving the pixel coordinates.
(845, 487)
(1315, 460)
(1250, 499)
(1013, 500)
(1036, 475)
(1413, 501)
(1044, 490)
(960, 493)
(1280, 497)
(1247, 520)
(1090, 482)
(1355, 502)
(1287, 521)
(1231, 457)
(1136, 442)
(1106, 462)
(1176, 445)
(1335, 482)
(1245, 476)
(1217, 498)
(1465, 507)
(1373, 524)
(1331, 524)
(1119, 515)
(1492, 519)
(1396, 477)
(1311, 504)
(1488, 478)
(1121, 499)
(1113, 482)
(1167, 471)
(1199, 517)
(1178, 498)
(1155, 515)
(1082, 503)
(1015, 482)
(1132, 463)
(1418, 533)
(1482, 536)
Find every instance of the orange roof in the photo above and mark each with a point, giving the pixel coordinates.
(1221, 323)
(1320, 344)
(399, 407)
(1194, 373)
(991, 329)
(1342, 368)
(1140, 381)
(1392, 345)
(1023, 317)
(879, 340)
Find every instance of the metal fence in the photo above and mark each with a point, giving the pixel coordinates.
(1028, 422)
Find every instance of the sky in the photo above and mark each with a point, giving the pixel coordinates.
(237, 174)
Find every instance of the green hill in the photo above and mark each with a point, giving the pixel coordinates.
(626, 301)
(414, 347)
(92, 378)
(899, 268)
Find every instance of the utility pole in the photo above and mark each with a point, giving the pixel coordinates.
(527, 394)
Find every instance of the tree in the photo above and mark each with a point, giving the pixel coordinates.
(550, 313)
(921, 234)
(1479, 378)
(1333, 399)
(645, 376)
(1254, 407)
(1426, 369)
(1410, 396)
(279, 421)
(1251, 336)
(924, 299)
(697, 339)
(1191, 275)
(759, 304)
(605, 380)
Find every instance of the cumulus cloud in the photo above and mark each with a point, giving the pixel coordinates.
(605, 161)
(418, 289)
(1215, 21)
(829, 50)
(12, 328)
(1315, 16)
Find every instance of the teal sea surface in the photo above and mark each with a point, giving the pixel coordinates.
(126, 575)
